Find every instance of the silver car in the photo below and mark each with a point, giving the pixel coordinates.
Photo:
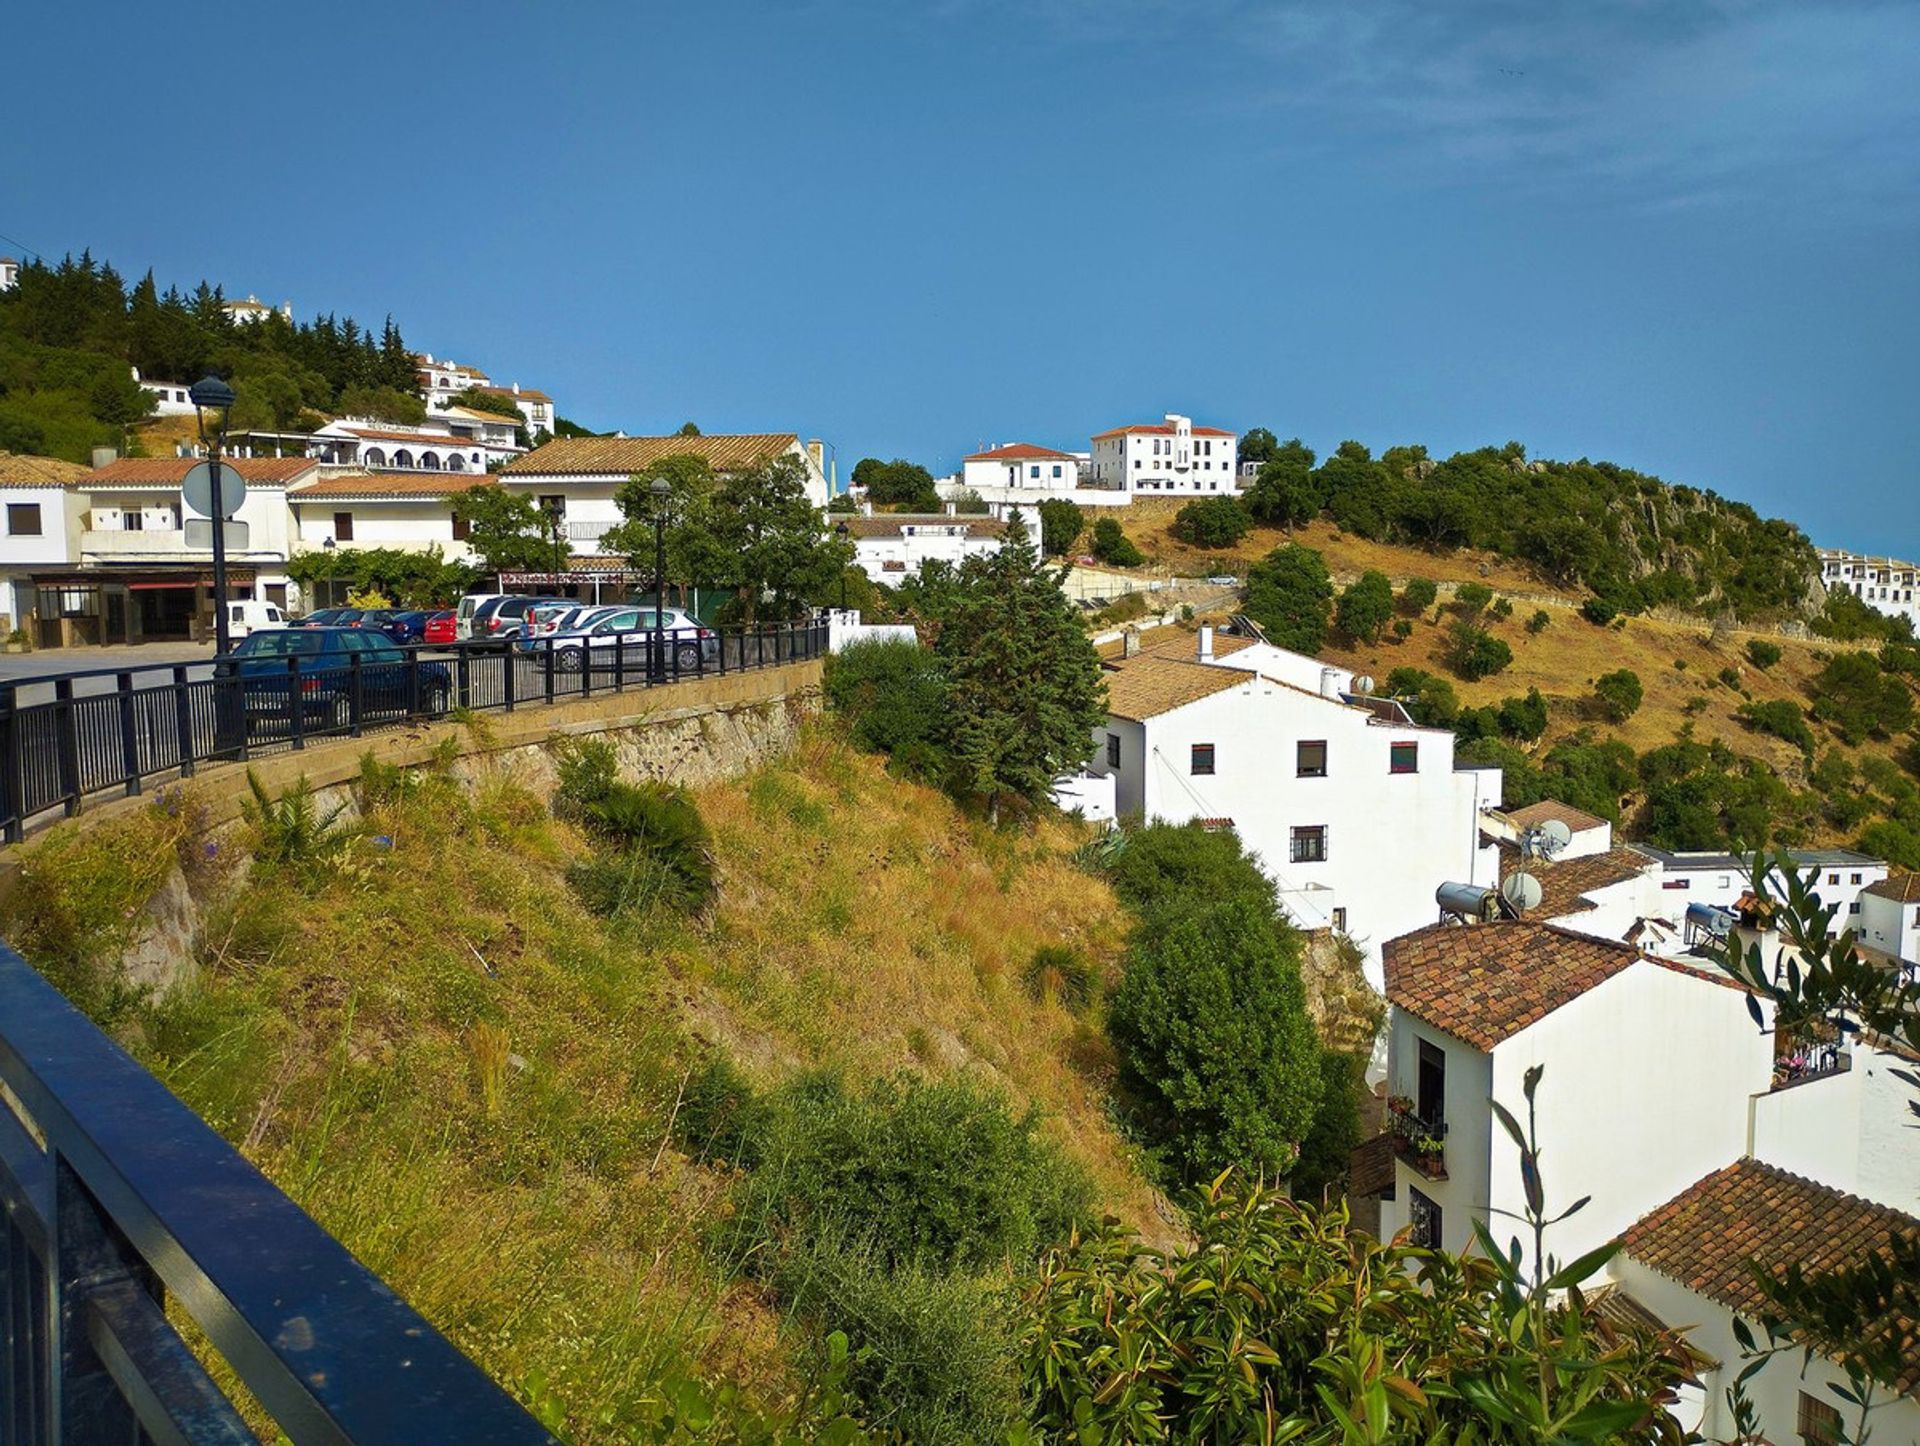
(689, 644)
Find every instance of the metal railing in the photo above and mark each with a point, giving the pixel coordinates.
(1420, 1143)
(64, 739)
(113, 1194)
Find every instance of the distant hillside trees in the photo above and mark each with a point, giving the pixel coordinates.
(1061, 523)
(898, 483)
(68, 333)
(1289, 594)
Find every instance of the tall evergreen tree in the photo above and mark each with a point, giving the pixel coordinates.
(1026, 685)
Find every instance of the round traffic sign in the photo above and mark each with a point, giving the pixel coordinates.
(197, 488)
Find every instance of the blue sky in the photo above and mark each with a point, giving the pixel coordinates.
(1682, 236)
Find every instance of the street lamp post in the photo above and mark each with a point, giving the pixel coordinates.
(213, 404)
(841, 531)
(662, 492)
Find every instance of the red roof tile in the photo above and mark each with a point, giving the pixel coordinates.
(1158, 429)
(1020, 451)
(1705, 1236)
(1903, 887)
(171, 471)
(1535, 814)
(1486, 982)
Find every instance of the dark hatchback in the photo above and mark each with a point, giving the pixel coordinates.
(327, 665)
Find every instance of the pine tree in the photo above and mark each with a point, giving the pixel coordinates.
(1027, 691)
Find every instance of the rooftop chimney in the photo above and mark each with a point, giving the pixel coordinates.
(817, 450)
(1130, 643)
(1205, 653)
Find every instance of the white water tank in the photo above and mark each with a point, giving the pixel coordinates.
(1330, 683)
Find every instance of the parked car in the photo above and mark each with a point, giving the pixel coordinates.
(550, 618)
(404, 625)
(689, 645)
(325, 618)
(506, 617)
(1224, 579)
(468, 609)
(440, 627)
(387, 677)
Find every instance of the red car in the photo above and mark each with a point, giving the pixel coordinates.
(438, 628)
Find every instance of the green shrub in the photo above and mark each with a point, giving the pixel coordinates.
(293, 829)
(1474, 653)
(1328, 1148)
(1503, 607)
(1539, 622)
(1365, 606)
(1418, 595)
(1062, 973)
(1858, 700)
(1762, 654)
(1429, 699)
(1780, 718)
(1470, 598)
(1113, 546)
(1618, 694)
(1212, 522)
(1182, 865)
(654, 846)
(893, 695)
(1289, 595)
(1730, 676)
(1216, 1049)
(1599, 611)
(1061, 523)
(1402, 630)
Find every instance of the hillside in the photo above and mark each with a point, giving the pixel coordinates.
(1678, 657)
(475, 1083)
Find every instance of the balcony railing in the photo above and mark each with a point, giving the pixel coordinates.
(113, 1194)
(1421, 1143)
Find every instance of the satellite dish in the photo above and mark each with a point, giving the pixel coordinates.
(1363, 685)
(1522, 891)
(1554, 836)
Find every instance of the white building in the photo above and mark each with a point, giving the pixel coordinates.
(1356, 813)
(1720, 879)
(1623, 1036)
(42, 515)
(443, 379)
(170, 399)
(9, 273)
(890, 546)
(1686, 1263)
(245, 313)
(1884, 584)
(536, 406)
(1021, 467)
(1169, 457)
(579, 476)
(1889, 916)
(355, 444)
(407, 511)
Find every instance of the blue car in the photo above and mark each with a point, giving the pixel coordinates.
(392, 684)
(404, 626)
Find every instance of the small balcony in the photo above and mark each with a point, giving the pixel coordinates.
(1801, 1062)
(1421, 1143)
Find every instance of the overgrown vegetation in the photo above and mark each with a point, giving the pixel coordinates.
(1289, 594)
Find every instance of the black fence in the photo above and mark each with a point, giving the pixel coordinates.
(63, 739)
(113, 1196)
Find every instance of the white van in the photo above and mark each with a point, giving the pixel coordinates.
(248, 615)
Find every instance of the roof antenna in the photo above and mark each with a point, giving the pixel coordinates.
(1521, 889)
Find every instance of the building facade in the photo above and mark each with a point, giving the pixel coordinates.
(411, 513)
(890, 546)
(1021, 467)
(1165, 458)
(1356, 813)
(1884, 584)
(41, 517)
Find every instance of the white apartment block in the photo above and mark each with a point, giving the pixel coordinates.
(1021, 467)
(1883, 583)
(443, 379)
(359, 445)
(1354, 811)
(890, 546)
(9, 273)
(1166, 458)
(411, 513)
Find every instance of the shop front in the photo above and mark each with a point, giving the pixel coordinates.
(96, 607)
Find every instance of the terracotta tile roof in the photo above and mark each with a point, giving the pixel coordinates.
(525, 394)
(1146, 687)
(1158, 429)
(1535, 814)
(624, 456)
(468, 414)
(1172, 643)
(418, 439)
(171, 471)
(1020, 451)
(1750, 1211)
(20, 469)
(1370, 1167)
(1486, 982)
(1565, 883)
(889, 524)
(1903, 887)
(391, 484)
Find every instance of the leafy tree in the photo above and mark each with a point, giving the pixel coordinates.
(1889, 839)
(1289, 595)
(1025, 684)
(1112, 546)
(1283, 493)
(967, 502)
(898, 483)
(1846, 619)
(1782, 718)
(1762, 654)
(1705, 796)
(1429, 699)
(1164, 866)
(1257, 444)
(893, 695)
(383, 404)
(1336, 1133)
(1365, 606)
(688, 429)
(1539, 622)
(1853, 696)
(508, 529)
(1418, 595)
(695, 554)
(413, 579)
(1359, 494)
(1471, 598)
(1599, 611)
(1474, 653)
(1061, 523)
(775, 541)
(1618, 694)
(1211, 1026)
(1212, 522)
